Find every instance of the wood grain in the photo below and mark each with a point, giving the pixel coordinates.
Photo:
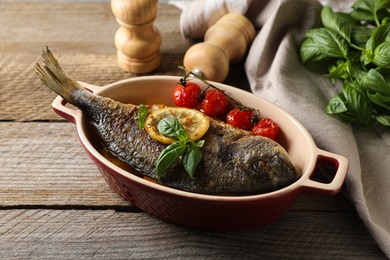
(107, 234)
(54, 204)
(87, 56)
(45, 164)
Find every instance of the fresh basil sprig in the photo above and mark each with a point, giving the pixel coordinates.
(355, 47)
(142, 114)
(185, 150)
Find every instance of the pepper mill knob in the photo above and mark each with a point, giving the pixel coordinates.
(225, 42)
(137, 40)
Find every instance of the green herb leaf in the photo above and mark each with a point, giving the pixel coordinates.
(336, 106)
(184, 150)
(358, 104)
(382, 55)
(199, 143)
(360, 35)
(310, 52)
(142, 114)
(373, 7)
(322, 43)
(356, 49)
(336, 22)
(170, 126)
(379, 35)
(342, 70)
(359, 15)
(169, 156)
(192, 157)
(374, 81)
(383, 119)
(380, 100)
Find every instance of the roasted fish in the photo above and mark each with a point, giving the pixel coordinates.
(233, 162)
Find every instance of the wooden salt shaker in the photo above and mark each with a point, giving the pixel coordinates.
(137, 40)
(225, 42)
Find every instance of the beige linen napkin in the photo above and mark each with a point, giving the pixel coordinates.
(275, 72)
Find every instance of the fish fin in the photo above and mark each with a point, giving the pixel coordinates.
(54, 77)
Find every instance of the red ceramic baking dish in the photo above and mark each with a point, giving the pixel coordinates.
(199, 210)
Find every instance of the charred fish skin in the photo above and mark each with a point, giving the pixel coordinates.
(234, 161)
(238, 162)
(118, 128)
(122, 137)
(231, 160)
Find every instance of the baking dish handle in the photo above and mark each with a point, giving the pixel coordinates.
(334, 186)
(59, 107)
(59, 104)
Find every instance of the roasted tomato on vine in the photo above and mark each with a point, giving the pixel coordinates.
(187, 94)
(267, 128)
(241, 118)
(214, 103)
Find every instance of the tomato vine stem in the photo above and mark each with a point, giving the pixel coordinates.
(209, 85)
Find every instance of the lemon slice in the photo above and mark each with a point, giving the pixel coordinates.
(194, 122)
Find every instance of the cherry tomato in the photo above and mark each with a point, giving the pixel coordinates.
(188, 96)
(214, 103)
(240, 118)
(266, 127)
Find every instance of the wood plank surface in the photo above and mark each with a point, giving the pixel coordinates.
(89, 55)
(45, 164)
(87, 52)
(108, 234)
(54, 204)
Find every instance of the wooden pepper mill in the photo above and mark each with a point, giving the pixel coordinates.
(225, 42)
(137, 40)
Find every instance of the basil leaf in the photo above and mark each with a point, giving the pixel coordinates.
(386, 20)
(322, 43)
(169, 156)
(170, 126)
(200, 143)
(379, 35)
(368, 54)
(342, 70)
(383, 119)
(363, 5)
(330, 43)
(142, 114)
(382, 55)
(374, 81)
(309, 51)
(191, 158)
(358, 104)
(356, 48)
(360, 35)
(380, 99)
(188, 151)
(372, 6)
(336, 106)
(377, 8)
(336, 22)
(362, 15)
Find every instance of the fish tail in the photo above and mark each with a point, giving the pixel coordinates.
(54, 77)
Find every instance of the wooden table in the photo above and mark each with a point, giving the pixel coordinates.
(53, 201)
